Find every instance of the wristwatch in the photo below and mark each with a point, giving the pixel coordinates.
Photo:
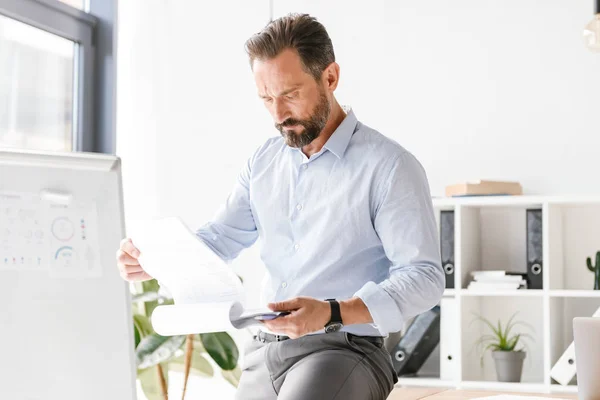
(335, 323)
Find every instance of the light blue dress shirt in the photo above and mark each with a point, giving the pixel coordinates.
(354, 219)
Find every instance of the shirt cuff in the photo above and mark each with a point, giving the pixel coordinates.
(383, 309)
(210, 239)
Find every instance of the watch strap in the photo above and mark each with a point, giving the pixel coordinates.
(336, 315)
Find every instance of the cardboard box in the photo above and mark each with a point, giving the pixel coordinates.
(484, 188)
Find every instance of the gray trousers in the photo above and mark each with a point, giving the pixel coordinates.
(324, 366)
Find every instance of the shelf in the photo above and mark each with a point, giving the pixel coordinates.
(487, 385)
(426, 382)
(505, 386)
(554, 388)
(511, 293)
(490, 233)
(575, 293)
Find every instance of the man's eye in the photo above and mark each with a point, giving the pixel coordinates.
(267, 99)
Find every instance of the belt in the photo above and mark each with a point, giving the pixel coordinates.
(266, 337)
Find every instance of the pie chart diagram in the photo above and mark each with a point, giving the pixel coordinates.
(63, 229)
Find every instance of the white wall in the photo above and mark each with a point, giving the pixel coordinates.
(497, 89)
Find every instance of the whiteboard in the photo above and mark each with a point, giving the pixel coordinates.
(65, 313)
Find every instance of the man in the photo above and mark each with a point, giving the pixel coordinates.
(346, 221)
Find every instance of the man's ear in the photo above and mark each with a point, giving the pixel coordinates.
(331, 76)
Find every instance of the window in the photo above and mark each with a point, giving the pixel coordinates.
(36, 88)
(57, 74)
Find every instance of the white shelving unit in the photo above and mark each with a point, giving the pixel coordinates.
(490, 234)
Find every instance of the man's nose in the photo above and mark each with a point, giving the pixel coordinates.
(280, 112)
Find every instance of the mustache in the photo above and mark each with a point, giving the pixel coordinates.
(289, 122)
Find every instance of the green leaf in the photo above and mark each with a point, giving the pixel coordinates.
(200, 365)
(526, 335)
(143, 324)
(500, 335)
(492, 346)
(150, 383)
(136, 336)
(232, 376)
(510, 345)
(488, 323)
(523, 323)
(221, 347)
(154, 349)
(167, 302)
(150, 286)
(509, 324)
(198, 345)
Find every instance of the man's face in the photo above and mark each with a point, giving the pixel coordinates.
(299, 105)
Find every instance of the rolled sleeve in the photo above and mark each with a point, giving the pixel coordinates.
(405, 224)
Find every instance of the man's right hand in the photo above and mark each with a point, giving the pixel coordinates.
(127, 261)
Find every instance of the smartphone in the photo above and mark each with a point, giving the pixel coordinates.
(271, 316)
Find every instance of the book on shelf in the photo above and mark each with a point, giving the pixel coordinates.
(500, 274)
(474, 285)
(484, 188)
(497, 280)
(505, 278)
(490, 273)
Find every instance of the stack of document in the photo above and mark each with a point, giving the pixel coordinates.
(497, 280)
(208, 295)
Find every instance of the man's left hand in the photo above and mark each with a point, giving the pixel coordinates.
(307, 315)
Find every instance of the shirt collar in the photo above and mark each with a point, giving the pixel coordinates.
(338, 141)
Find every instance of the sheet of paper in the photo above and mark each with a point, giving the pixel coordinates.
(513, 397)
(179, 260)
(183, 319)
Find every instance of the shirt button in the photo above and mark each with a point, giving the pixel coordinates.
(296, 246)
(284, 285)
(299, 207)
(304, 166)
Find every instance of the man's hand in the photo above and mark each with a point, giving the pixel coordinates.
(128, 264)
(307, 315)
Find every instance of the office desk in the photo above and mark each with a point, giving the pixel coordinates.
(413, 393)
(451, 394)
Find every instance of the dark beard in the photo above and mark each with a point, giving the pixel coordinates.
(312, 127)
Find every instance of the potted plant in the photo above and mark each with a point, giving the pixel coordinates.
(595, 268)
(156, 355)
(507, 358)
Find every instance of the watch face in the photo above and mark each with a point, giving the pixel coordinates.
(333, 327)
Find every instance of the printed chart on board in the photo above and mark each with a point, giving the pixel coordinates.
(58, 239)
